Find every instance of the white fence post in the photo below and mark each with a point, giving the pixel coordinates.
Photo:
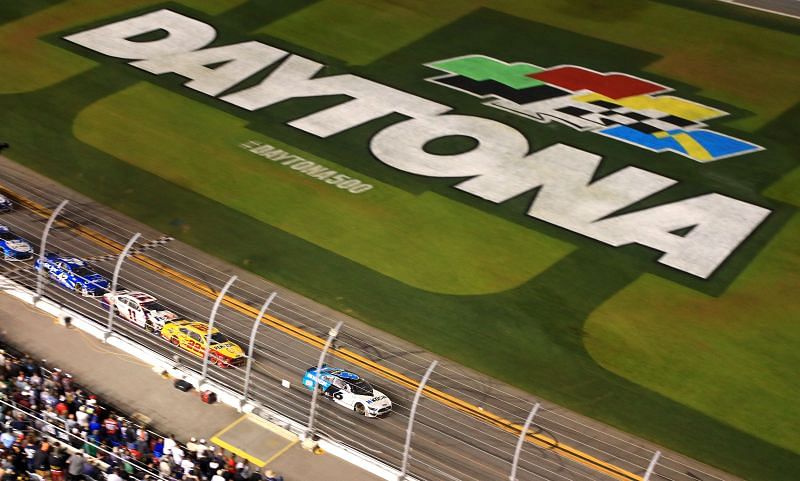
(47, 226)
(211, 319)
(521, 440)
(652, 466)
(117, 267)
(315, 391)
(409, 430)
(251, 346)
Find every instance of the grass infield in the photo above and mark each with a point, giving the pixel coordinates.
(703, 367)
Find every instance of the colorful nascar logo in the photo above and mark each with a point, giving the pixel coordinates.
(616, 105)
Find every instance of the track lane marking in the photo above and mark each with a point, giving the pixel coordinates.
(342, 353)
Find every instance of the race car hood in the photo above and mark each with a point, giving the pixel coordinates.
(377, 401)
(96, 280)
(18, 245)
(229, 349)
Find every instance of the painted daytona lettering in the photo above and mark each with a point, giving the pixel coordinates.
(307, 167)
(695, 234)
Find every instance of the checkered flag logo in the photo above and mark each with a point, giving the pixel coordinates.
(615, 105)
(136, 249)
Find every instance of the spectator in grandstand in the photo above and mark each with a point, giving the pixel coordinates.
(169, 443)
(30, 448)
(57, 461)
(41, 461)
(35, 380)
(75, 463)
(20, 382)
(142, 439)
(187, 464)
(19, 423)
(219, 476)
(230, 464)
(216, 461)
(30, 366)
(191, 446)
(114, 475)
(90, 470)
(9, 474)
(11, 367)
(165, 466)
(49, 403)
(158, 448)
(243, 471)
(177, 454)
(201, 449)
(191, 476)
(111, 429)
(7, 439)
(82, 417)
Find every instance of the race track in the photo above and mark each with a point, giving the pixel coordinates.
(448, 443)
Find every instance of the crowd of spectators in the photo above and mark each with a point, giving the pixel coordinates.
(53, 430)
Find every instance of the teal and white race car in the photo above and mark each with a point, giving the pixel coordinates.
(349, 390)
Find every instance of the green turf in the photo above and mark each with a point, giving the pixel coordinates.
(734, 358)
(623, 377)
(31, 64)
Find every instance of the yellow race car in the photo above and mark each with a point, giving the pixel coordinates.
(191, 336)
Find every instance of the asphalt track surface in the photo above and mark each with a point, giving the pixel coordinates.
(788, 8)
(448, 444)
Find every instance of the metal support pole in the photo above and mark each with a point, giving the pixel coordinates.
(315, 391)
(407, 449)
(47, 226)
(117, 267)
(652, 466)
(211, 319)
(521, 440)
(250, 348)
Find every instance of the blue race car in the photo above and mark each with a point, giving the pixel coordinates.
(5, 204)
(349, 390)
(74, 274)
(14, 247)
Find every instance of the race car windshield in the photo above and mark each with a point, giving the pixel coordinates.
(218, 338)
(7, 236)
(82, 271)
(154, 306)
(360, 387)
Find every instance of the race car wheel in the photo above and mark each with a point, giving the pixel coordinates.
(175, 341)
(79, 289)
(360, 409)
(148, 326)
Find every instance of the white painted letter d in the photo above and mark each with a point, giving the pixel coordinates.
(184, 34)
